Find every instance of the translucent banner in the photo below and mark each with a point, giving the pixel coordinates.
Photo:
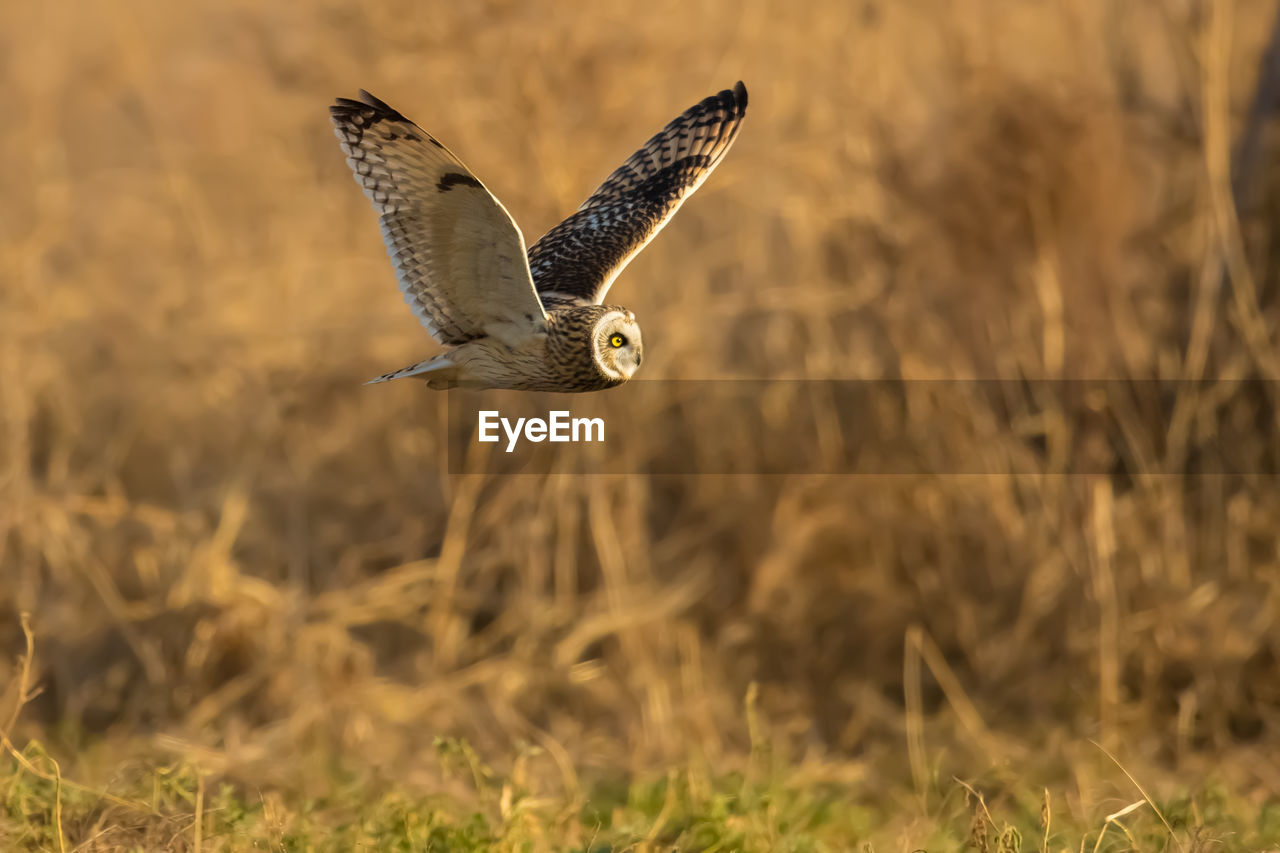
(875, 427)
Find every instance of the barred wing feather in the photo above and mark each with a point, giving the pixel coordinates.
(580, 258)
(459, 256)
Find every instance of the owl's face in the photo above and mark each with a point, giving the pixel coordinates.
(618, 348)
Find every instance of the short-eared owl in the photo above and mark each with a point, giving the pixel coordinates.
(508, 320)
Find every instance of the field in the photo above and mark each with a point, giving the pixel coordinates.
(246, 604)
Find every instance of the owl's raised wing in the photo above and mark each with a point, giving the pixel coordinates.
(580, 257)
(458, 254)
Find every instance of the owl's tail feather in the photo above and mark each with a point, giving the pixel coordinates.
(440, 373)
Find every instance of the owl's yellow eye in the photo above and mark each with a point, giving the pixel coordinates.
(616, 341)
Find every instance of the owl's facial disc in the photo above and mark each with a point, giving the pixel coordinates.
(619, 348)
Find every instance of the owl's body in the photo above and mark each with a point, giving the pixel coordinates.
(508, 319)
(561, 358)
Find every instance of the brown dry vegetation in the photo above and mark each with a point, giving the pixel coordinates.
(232, 550)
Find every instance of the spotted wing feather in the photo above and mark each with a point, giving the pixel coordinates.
(458, 254)
(580, 257)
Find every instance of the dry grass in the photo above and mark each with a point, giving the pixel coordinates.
(233, 551)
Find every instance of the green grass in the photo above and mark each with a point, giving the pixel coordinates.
(172, 808)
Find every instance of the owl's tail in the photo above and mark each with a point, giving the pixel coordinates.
(440, 373)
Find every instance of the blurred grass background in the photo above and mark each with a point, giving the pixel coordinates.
(233, 552)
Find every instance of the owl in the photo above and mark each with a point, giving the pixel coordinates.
(508, 318)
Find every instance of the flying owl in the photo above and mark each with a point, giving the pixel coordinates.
(531, 321)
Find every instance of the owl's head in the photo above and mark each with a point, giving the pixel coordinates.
(616, 344)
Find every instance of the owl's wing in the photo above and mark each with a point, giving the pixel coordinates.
(458, 254)
(581, 256)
